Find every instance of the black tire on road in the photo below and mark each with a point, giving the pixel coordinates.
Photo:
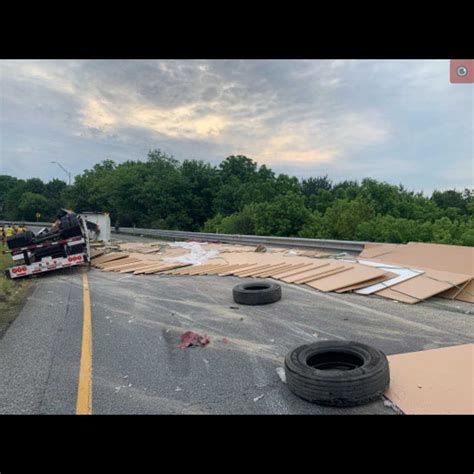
(337, 373)
(258, 292)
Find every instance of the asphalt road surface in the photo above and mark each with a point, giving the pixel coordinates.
(138, 367)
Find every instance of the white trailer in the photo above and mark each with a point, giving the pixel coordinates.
(102, 219)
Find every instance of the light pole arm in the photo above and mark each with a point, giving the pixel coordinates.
(65, 170)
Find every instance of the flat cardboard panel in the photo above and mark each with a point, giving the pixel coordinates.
(301, 270)
(436, 381)
(204, 269)
(292, 269)
(464, 293)
(230, 268)
(399, 275)
(364, 284)
(109, 258)
(138, 266)
(169, 266)
(244, 271)
(119, 263)
(374, 250)
(240, 267)
(247, 272)
(357, 274)
(95, 253)
(141, 271)
(315, 271)
(281, 267)
(449, 258)
(423, 286)
(323, 275)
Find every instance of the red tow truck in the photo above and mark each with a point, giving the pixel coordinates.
(65, 245)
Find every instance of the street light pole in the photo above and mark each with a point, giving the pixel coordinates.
(65, 170)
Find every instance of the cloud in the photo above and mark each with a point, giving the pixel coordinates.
(396, 120)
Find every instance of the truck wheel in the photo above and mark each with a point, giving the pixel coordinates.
(255, 293)
(337, 373)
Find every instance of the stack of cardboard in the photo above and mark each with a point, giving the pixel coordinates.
(407, 273)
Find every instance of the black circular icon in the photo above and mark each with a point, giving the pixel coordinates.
(461, 71)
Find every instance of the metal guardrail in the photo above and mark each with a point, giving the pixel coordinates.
(295, 242)
(29, 224)
(338, 245)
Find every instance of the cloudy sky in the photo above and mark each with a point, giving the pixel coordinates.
(398, 121)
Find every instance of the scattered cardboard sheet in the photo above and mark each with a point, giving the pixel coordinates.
(401, 274)
(159, 267)
(163, 267)
(322, 275)
(356, 274)
(383, 278)
(273, 272)
(423, 286)
(375, 250)
(137, 267)
(436, 381)
(291, 270)
(109, 257)
(303, 269)
(203, 269)
(229, 268)
(119, 263)
(464, 293)
(248, 272)
(449, 258)
(315, 271)
(97, 252)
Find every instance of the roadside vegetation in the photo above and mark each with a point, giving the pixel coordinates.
(238, 196)
(11, 292)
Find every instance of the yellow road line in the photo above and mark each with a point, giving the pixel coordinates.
(84, 392)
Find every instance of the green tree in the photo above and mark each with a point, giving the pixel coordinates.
(449, 199)
(311, 186)
(342, 218)
(314, 227)
(283, 216)
(30, 204)
(242, 222)
(7, 183)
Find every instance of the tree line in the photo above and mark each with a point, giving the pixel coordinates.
(240, 197)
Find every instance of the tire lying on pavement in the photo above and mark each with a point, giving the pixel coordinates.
(337, 373)
(258, 292)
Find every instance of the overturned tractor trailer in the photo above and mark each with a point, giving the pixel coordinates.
(65, 244)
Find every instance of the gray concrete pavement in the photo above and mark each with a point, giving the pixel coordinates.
(139, 368)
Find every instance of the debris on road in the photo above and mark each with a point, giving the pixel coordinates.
(191, 339)
(433, 381)
(257, 293)
(281, 373)
(337, 373)
(407, 273)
